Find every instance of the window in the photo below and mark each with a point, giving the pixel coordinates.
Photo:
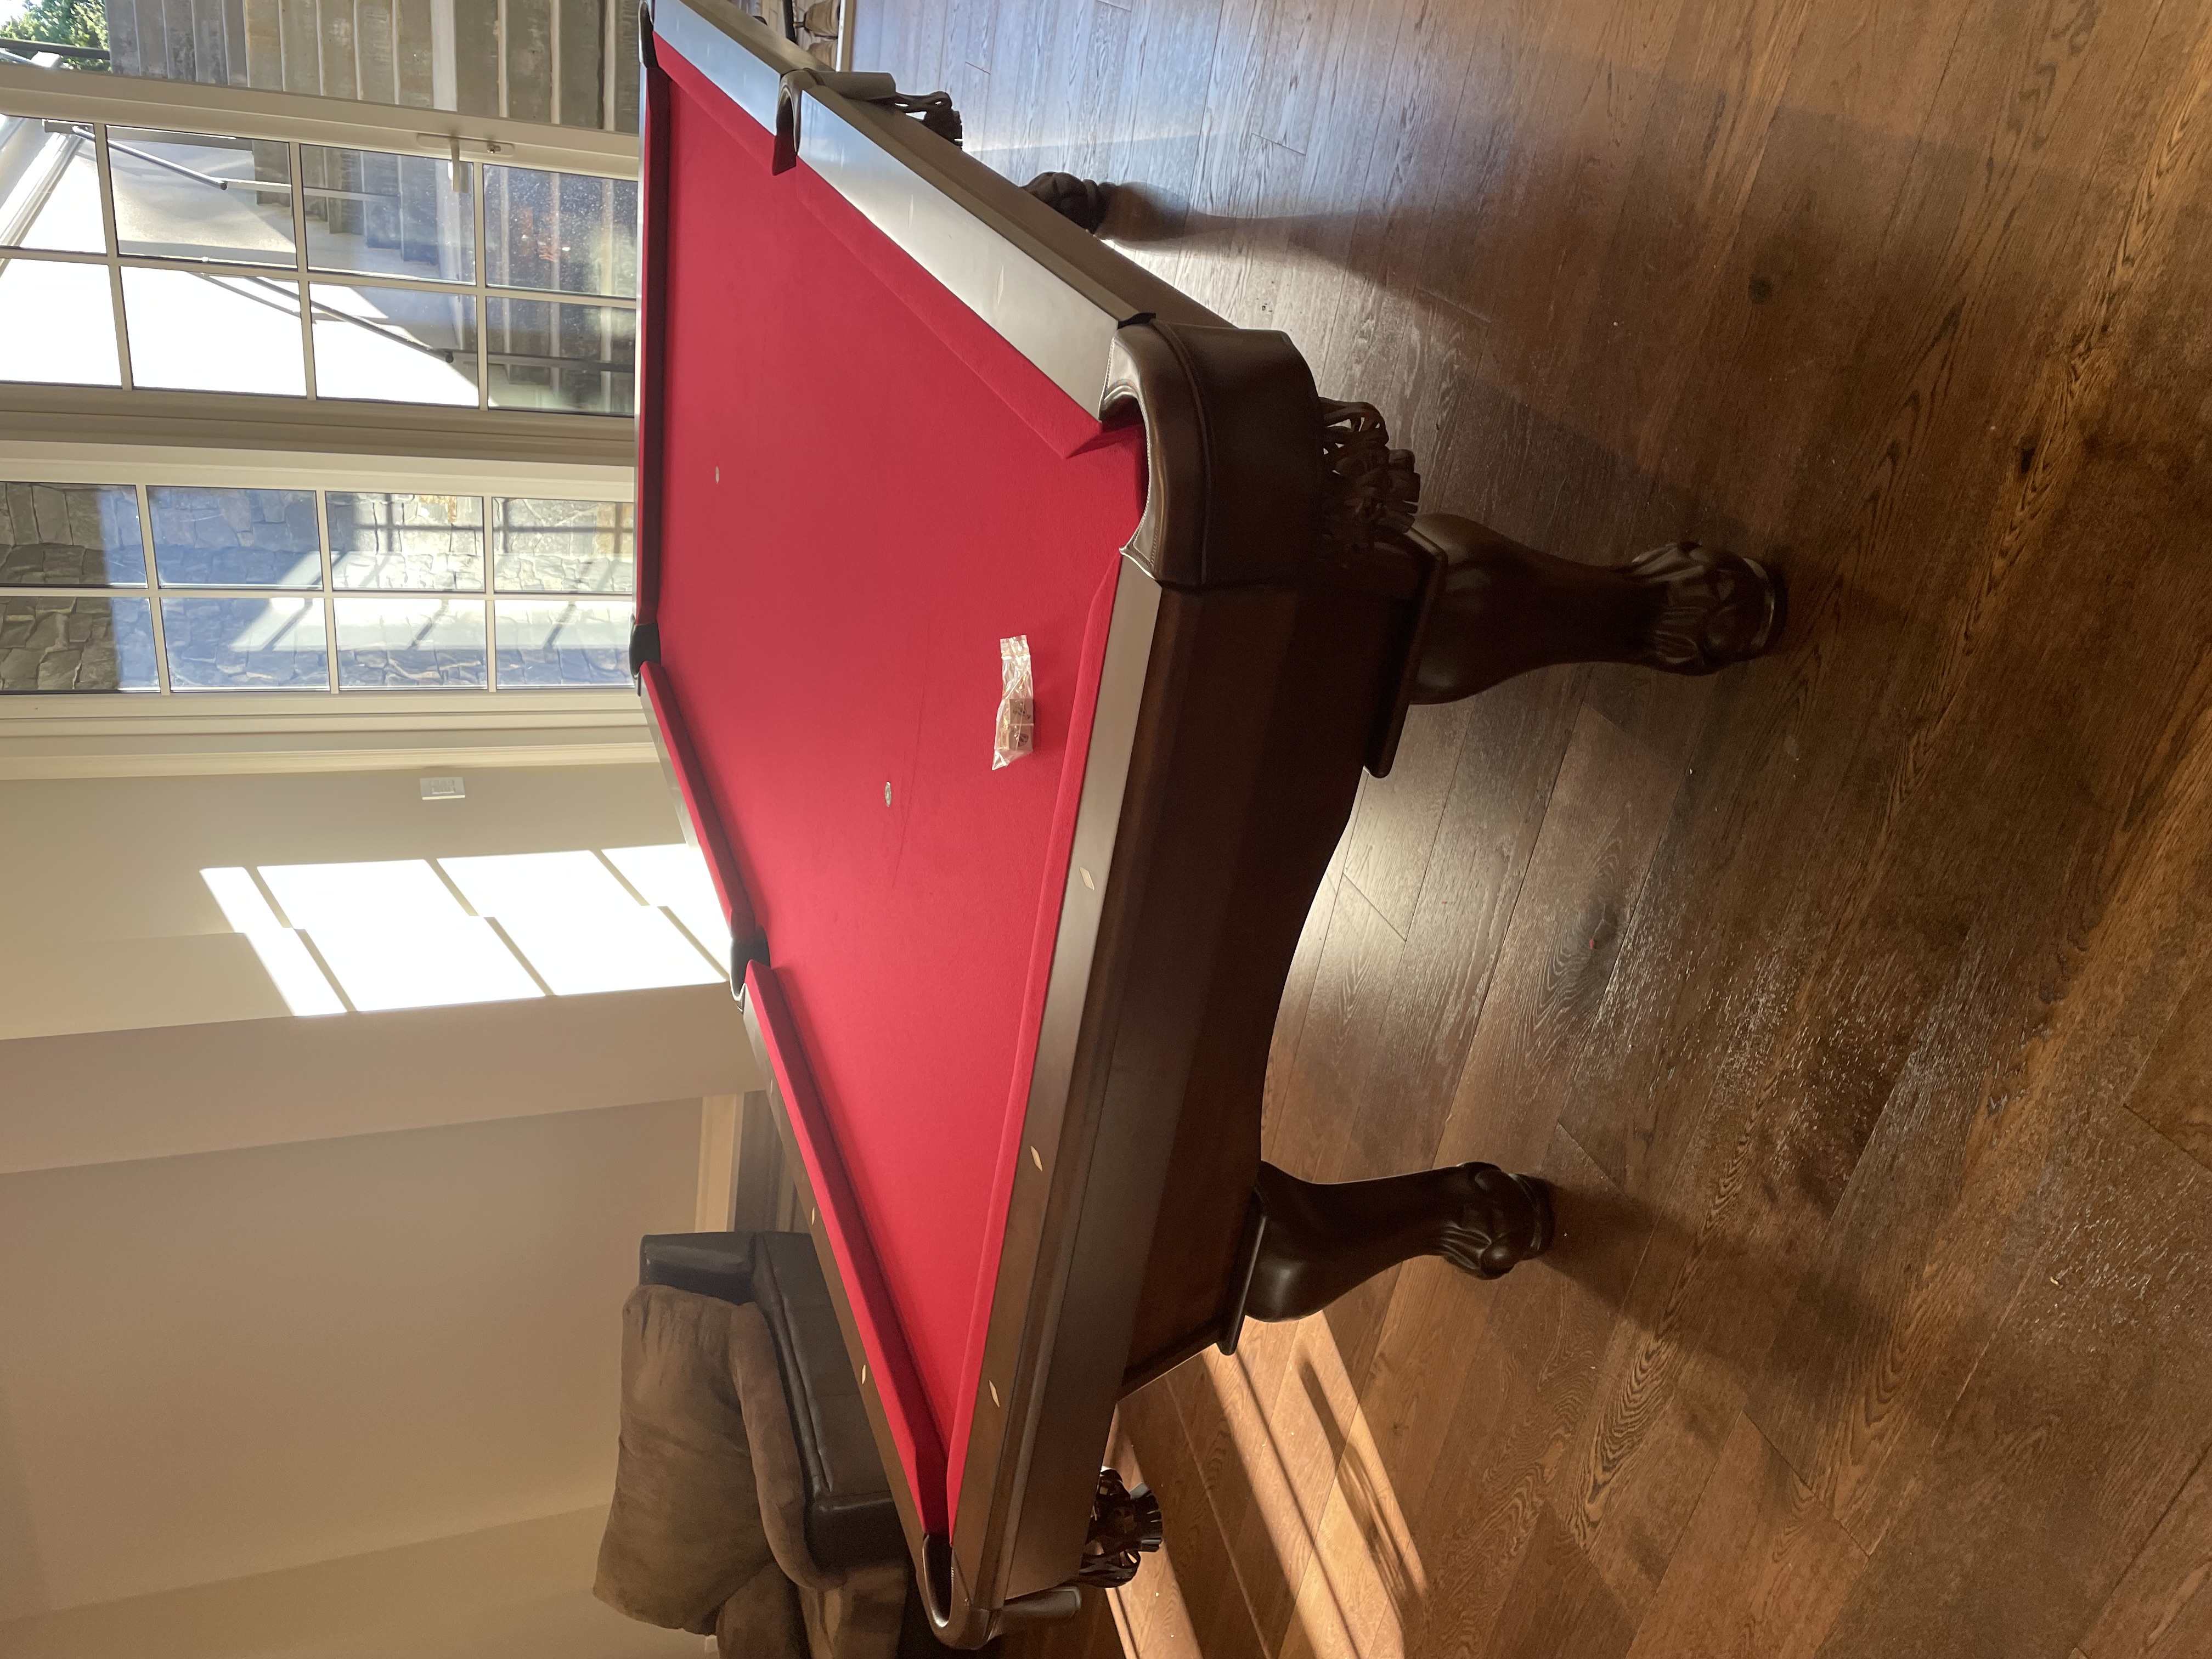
(295, 589)
(204, 261)
(424, 933)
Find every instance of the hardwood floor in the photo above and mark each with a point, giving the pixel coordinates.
(1859, 1002)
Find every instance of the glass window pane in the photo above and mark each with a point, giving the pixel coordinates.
(49, 186)
(562, 642)
(401, 345)
(547, 354)
(566, 233)
(61, 323)
(245, 645)
(70, 535)
(49, 643)
(201, 196)
(396, 642)
(428, 544)
(564, 547)
(196, 332)
(234, 537)
(395, 216)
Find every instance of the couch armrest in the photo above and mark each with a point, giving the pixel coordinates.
(719, 1264)
(852, 1520)
(777, 1471)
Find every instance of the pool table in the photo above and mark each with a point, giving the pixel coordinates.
(1015, 1008)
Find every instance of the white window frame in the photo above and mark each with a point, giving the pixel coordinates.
(343, 122)
(102, 434)
(297, 121)
(111, 734)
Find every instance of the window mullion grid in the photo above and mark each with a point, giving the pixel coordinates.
(329, 607)
(183, 591)
(109, 229)
(609, 69)
(493, 504)
(300, 266)
(153, 588)
(482, 301)
(243, 267)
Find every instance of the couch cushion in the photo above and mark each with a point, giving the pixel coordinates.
(763, 1620)
(684, 1531)
(851, 1517)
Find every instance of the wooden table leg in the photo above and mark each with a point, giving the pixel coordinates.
(1506, 609)
(1316, 1242)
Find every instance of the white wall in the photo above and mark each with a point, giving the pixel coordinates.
(308, 1329)
(239, 1363)
(108, 926)
(106, 1096)
(511, 1592)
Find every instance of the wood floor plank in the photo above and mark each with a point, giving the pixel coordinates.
(1250, 1477)
(1398, 816)
(1505, 775)
(1762, 1570)
(1611, 802)
(1329, 1073)
(1475, 1482)
(2162, 1607)
(1178, 1616)
(1908, 299)
(1912, 1324)
(1267, 1481)
(1559, 1604)
(1298, 983)
(2080, 1427)
(2172, 1095)
(1358, 1567)
(1798, 1103)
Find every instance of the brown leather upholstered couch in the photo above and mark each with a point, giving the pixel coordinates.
(749, 1502)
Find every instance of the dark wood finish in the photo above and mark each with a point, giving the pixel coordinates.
(1850, 1001)
(1317, 1241)
(1125, 1528)
(1504, 610)
(1082, 202)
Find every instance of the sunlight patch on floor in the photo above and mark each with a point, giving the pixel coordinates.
(1320, 1489)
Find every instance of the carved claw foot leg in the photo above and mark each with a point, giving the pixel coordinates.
(1713, 608)
(1082, 202)
(1506, 609)
(1125, 1523)
(1317, 1242)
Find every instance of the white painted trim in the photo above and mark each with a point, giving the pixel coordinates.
(443, 78)
(250, 113)
(712, 1210)
(233, 422)
(209, 733)
(123, 713)
(33, 461)
(213, 760)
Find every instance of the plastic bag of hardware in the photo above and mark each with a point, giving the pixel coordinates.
(1016, 731)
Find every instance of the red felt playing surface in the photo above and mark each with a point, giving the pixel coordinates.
(896, 494)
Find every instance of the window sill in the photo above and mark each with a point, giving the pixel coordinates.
(96, 735)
